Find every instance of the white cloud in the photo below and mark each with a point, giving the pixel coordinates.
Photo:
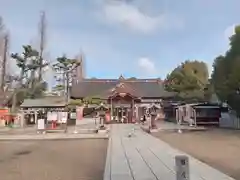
(229, 31)
(132, 17)
(147, 66)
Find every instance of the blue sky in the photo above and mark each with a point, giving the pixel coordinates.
(141, 38)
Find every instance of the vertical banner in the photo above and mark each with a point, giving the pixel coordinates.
(64, 117)
(79, 111)
(108, 117)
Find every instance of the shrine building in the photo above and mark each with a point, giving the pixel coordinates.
(125, 97)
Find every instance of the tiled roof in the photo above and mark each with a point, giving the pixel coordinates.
(56, 101)
(146, 88)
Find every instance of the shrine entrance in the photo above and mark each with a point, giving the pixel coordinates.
(121, 113)
(122, 101)
(123, 108)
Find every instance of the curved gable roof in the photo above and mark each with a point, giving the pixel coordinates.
(147, 88)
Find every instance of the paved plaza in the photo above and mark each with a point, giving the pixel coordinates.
(132, 154)
(53, 160)
(144, 157)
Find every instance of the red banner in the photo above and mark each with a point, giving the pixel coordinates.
(108, 117)
(79, 112)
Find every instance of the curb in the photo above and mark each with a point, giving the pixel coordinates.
(40, 137)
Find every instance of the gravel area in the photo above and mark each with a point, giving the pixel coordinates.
(53, 160)
(217, 147)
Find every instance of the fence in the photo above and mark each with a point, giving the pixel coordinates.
(229, 120)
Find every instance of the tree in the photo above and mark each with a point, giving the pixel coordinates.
(65, 66)
(188, 80)
(21, 62)
(4, 61)
(27, 87)
(208, 91)
(92, 100)
(42, 32)
(226, 74)
(4, 41)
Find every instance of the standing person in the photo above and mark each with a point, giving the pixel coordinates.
(143, 119)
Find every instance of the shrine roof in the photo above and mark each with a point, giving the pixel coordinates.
(54, 101)
(143, 88)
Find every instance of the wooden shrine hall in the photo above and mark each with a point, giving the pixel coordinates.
(127, 98)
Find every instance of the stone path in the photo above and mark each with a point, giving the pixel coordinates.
(144, 157)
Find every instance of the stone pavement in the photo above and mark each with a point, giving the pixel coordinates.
(169, 126)
(164, 125)
(144, 157)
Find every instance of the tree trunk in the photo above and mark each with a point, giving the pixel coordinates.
(3, 70)
(32, 77)
(15, 92)
(42, 43)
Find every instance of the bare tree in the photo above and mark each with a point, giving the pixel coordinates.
(2, 33)
(42, 32)
(4, 39)
(4, 61)
(79, 73)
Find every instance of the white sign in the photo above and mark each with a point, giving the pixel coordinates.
(41, 124)
(64, 117)
(151, 100)
(52, 116)
(73, 115)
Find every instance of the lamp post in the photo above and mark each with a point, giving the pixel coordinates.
(153, 114)
(101, 111)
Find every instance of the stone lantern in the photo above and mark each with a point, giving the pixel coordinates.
(153, 114)
(101, 109)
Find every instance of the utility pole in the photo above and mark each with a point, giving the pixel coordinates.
(42, 32)
(4, 61)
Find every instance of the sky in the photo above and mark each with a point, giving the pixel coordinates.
(135, 38)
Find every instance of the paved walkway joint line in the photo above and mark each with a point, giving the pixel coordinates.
(144, 157)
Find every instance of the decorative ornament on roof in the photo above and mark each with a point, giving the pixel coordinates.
(121, 77)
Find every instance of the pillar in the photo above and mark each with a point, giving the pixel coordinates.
(133, 113)
(22, 119)
(35, 117)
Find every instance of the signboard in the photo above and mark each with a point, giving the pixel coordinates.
(64, 117)
(40, 124)
(151, 100)
(182, 167)
(52, 116)
(73, 115)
